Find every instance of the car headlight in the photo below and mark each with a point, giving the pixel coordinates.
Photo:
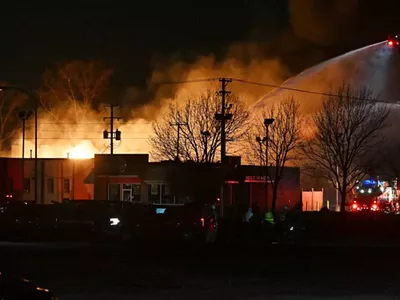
(114, 221)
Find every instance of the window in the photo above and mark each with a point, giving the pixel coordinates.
(166, 195)
(50, 185)
(27, 185)
(136, 189)
(66, 185)
(154, 189)
(167, 190)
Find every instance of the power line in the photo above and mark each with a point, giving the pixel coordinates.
(67, 130)
(294, 89)
(274, 86)
(85, 123)
(186, 81)
(82, 138)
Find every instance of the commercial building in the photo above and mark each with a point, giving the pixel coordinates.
(58, 179)
(134, 178)
(131, 177)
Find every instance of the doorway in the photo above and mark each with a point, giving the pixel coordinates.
(130, 192)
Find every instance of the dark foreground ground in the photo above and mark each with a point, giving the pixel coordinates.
(83, 271)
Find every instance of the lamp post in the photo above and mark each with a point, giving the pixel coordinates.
(267, 123)
(206, 135)
(35, 98)
(260, 141)
(23, 115)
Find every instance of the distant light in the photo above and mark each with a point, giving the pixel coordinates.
(114, 221)
(369, 191)
(362, 191)
(390, 43)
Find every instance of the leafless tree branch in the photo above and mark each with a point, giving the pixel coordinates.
(283, 140)
(347, 128)
(198, 113)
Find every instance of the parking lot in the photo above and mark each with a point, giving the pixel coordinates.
(83, 271)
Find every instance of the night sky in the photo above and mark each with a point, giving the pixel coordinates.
(131, 36)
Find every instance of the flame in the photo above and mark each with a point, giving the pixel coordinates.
(83, 150)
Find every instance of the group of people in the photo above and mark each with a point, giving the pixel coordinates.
(254, 222)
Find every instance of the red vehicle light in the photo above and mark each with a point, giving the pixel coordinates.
(202, 222)
(390, 43)
(355, 206)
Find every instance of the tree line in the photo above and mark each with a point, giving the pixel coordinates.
(333, 143)
(337, 142)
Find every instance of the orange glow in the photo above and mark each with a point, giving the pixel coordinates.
(82, 151)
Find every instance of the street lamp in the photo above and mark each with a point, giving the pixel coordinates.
(206, 135)
(260, 141)
(35, 98)
(267, 123)
(23, 115)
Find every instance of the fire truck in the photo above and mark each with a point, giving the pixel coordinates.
(375, 195)
(393, 40)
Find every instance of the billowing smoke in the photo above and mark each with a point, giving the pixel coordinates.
(313, 26)
(243, 61)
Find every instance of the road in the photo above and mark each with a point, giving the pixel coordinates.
(168, 271)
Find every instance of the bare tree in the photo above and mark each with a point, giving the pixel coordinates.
(347, 128)
(74, 89)
(199, 131)
(283, 140)
(10, 102)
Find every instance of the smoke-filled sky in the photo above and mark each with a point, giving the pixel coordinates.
(154, 41)
(136, 38)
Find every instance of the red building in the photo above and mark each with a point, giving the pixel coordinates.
(58, 179)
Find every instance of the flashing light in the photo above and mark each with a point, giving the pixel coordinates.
(369, 182)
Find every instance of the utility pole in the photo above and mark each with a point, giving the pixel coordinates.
(178, 137)
(267, 123)
(23, 115)
(223, 117)
(110, 134)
